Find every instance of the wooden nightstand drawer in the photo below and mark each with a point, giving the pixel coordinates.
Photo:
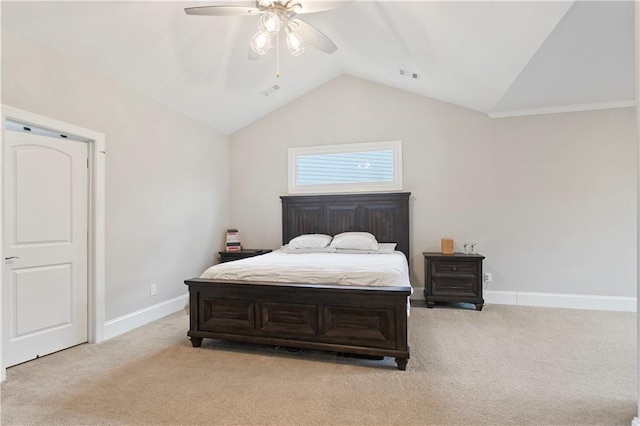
(454, 286)
(453, 278)
(454, 268)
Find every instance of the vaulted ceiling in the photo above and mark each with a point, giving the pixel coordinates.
(501, 58)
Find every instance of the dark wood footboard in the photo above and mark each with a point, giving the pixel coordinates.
(358, 320)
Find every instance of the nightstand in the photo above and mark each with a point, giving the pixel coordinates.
(228, 256)
(453, 278)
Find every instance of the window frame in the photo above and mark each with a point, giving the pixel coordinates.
(395, 185)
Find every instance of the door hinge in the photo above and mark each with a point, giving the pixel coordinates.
(87, 163)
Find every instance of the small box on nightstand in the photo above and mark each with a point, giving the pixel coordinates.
(446, 246)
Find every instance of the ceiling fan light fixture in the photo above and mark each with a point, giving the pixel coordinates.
(269, 22)
(261, 42)
(295, 43)
(275, 16)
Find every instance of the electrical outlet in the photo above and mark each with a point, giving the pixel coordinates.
(488, 277)
(153, 289)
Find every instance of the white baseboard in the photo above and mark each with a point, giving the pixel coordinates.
(118, 326)
(552, 300)
(136, 319)
(555, 300)
(635, 421)
(501, 297)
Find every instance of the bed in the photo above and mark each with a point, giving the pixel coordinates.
(362, 320)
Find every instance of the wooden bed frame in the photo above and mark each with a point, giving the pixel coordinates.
(358, 320)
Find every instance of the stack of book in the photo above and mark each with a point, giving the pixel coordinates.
(233, 240)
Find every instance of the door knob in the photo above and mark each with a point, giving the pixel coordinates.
(12, 257)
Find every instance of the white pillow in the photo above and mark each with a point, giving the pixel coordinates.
(355, 241)
(310, 241)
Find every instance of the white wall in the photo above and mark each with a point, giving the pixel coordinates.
(549, 200)
(166, 175)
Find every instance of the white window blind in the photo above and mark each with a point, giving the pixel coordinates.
(373, 166)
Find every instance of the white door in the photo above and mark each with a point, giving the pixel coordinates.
(45, 245)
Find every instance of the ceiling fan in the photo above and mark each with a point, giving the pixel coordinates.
(275, 16)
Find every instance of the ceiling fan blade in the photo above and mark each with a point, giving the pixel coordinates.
(221, 10)
(318, 6)
(314, 36)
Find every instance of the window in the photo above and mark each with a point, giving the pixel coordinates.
(358, 167)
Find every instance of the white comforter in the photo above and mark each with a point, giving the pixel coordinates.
(386, 270)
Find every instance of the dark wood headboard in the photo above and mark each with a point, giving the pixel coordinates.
(384, 215)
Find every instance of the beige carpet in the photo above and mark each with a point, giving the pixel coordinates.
(504, 365)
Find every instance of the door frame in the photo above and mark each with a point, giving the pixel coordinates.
(96, 220)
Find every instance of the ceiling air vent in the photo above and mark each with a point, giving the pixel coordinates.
(409, 74)
(270, 90)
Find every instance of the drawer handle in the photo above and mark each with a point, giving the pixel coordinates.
(453, 268)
